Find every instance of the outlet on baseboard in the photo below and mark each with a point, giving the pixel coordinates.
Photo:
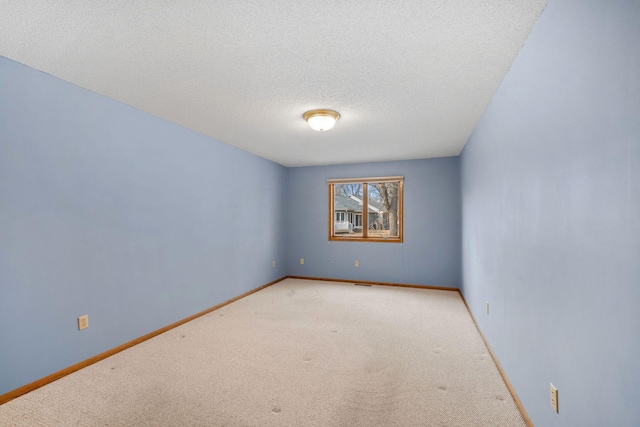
(83, 322)
(301, 261)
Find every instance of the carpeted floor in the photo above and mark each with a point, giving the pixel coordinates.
(298, 353)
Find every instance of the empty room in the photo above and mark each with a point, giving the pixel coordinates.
(413, 213)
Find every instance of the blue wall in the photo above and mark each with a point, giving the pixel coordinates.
(430, 254)
(114, 213)
(551, 216)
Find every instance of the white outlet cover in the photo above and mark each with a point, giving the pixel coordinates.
(554, 397)
(83, 322)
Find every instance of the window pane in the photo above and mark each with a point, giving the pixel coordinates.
(379, 219)
(384, 209)
(347, 204)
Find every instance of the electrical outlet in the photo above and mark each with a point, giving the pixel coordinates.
(273, 263)
(554, 398)
(487, 306)
(357, 263)
(83, 322)
(301, 261)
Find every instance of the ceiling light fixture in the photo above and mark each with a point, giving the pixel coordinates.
(321, 119)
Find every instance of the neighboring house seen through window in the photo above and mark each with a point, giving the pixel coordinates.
(381, 221)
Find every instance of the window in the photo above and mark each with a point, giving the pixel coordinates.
(381, 221)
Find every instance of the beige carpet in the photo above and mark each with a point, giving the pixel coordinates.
(298, 353)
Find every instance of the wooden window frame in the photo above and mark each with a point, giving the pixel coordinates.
(365, 212)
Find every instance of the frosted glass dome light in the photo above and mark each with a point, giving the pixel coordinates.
(321, 120)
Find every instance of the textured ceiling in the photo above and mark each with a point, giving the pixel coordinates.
(410, 78)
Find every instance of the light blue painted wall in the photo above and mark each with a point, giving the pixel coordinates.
(430, 254)
(111, 212)
(551, 216)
